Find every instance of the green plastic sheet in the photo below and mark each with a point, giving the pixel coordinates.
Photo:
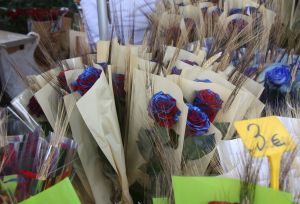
(160, 201)
(201, 190)
(61, 193)
(10, 183)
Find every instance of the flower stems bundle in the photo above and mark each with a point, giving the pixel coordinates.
(146, 117)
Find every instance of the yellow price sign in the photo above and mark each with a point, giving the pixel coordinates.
(266, 137)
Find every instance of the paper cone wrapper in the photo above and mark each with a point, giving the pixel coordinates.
(139, 118)
(36, 82)
(199, 166)
(97, 108)
(240, 105)
(73, 63)
(88, 154)
(48, 98)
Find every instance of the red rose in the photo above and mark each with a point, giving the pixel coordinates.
(14, 13)
(63, 81)
(118, 84)
(209, 102)
(34, 107)
(197, 122)
(86, 80)
(163, 109)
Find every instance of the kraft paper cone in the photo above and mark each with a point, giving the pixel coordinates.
(183, 55)
(242, 102)
(189, 87)
(73, 63)
(88, 154)
(48, 98)
(103, 51)
(140, 119)
(97, 108)
(199, 166)
(36, 82)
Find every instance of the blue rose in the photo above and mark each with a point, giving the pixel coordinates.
(176, 71)
(235, 11)
(197, 121)
(162, 108)
(278, 76)
(86, 80)
(203, 80)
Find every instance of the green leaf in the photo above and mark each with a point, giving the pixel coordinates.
(223, 127)
(151, 168)
(46, 127)
(174, 139)
(143, 168)
(154, 167)
(163, 134)
(197, 147)
(144, 144)
(137, 191)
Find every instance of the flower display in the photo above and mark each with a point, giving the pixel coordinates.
(209, 102)
(162, 108)
(214, 65)
(197, 121)
(86, 80)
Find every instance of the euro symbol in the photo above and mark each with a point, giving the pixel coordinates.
(276, 142)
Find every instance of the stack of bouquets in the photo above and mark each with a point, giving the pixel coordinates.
(85, 89)
(30, 161)
(191, 83)
(142, 114)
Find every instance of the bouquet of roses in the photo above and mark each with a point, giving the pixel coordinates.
(142, 114)
(156, 130)
(97, 96)
(30, 161)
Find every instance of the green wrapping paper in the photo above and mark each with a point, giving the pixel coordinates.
(201, 190)
(61, 193)
(10, 183)
(160, 201)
